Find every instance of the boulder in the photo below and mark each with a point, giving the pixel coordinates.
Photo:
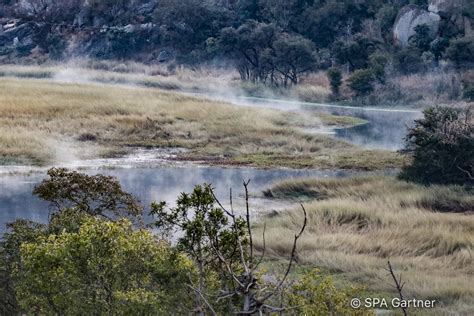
(410, 17)
(18, 34)
(165, 56)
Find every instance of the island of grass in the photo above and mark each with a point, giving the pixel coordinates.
(356, 224)
(44, 122)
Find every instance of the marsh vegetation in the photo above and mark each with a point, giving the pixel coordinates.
(355, 224)
(42, 120)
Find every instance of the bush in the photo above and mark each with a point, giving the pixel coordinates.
(361, 82)
(56, 45)
(408, 61)
(442, 145)
(461, 52)
(468, 92)
(335, 79)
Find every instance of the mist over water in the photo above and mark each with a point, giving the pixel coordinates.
(155, 184)
(386, 128)
(144, 174)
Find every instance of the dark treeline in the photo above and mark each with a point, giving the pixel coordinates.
(270, 41)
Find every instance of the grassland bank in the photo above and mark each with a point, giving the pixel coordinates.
(356, 224)
(44, 122)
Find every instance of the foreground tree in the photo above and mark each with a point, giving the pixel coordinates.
(83, 263)
(96, 195)
(104, 268)
(442, 146)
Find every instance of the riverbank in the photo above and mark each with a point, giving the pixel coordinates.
(356, 224)
(45, 122)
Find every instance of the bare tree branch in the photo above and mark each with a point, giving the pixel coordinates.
(471, 177)
(248, 220)
(293, 255)
(204, 299)
(399, 286)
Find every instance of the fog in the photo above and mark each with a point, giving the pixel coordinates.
(156, 183)
(386, 127)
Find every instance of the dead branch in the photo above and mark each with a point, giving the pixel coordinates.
(263, 250)
(471, 177)
(213, 312)
(293, 255)
(399, 286)
(248, 220)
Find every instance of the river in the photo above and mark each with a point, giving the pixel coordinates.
(148, 177)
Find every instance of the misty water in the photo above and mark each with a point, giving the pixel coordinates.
(157, 183)
(386, 127)
(147, 177)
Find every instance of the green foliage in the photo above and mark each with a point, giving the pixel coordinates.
(468, 92)
(264, 53)
(461, 51)
(362, 82)
(104, 268)
(20, 231)
(421, 39)
(56, 45)
(95, 195)
(354, 52)
(203, 225)
(335, 79)
(438, 47)
(315, 294)
(208, 237)
(408, 60)
(442, 146)
(378, 61)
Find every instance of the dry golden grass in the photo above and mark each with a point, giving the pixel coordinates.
(43, 121)
(357, 224)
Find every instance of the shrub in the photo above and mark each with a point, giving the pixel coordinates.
(335, 79)
(468, 92)
(461, 52)
(361, 82)
(442, 145)
(56, 45)
(315, 295)
(408, 61)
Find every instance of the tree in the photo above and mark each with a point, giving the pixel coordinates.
(205, 230)
(461, 52)
(104, 268)
(82, 263)
(408, 60)
(335, 80)
(112, 10)
(19, 232)
(264, 53)
(361, 82)
(442, 147)
(97, 195)
(421, 39)
(293, 55)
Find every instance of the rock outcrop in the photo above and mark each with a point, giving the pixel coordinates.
(443, 17)
(445, 8)
(409, 18)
